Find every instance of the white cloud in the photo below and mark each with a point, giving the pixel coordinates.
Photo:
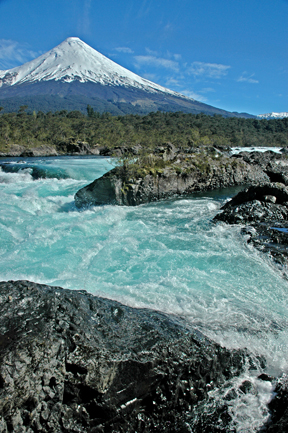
(208, 90)
(125, 50)
(193, 95)
(84, 22)
(151, 77)
(144, 9)
(211, 70)
(171, 81)
(177, 56)
(151, 52)
(247, 79)
(13, 53)
(156, 61)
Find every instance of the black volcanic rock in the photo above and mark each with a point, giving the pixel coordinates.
(278, 422)
(275, 165)
(178, 178)
(263, 210)
(73, 362)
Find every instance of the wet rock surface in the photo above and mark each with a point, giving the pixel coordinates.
(263, 210)
(72, 362)
(278, 422)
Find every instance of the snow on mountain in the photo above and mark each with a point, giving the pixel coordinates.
(73, 75)
(273, 115)
(74, 60)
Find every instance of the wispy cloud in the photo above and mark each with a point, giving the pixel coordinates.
(84, 21)
(193, 95)
(208, 90)
(158, 62)
(171, 71)
(151, 77)
(248, 79)
(125, 50)
(210, 70)
(177, 56)
(172, 81)
(144, 8)
(13, 53)
(151, 52)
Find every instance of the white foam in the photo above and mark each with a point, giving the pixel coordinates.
(236, 150)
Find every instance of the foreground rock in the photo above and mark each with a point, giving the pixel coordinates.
(72, 362)
(263, 209)
(175, 175)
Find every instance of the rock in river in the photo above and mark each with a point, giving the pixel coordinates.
(263, 210)
(185, 175)
(73, 362)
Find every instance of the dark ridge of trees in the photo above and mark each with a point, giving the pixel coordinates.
(103, 129)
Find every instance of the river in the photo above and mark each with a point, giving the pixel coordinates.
(167, 256)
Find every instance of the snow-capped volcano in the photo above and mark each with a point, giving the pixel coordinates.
(73, 75)
(74, 60)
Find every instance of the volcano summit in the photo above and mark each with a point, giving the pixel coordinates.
(73, 75)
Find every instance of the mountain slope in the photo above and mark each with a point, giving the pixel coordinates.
(74, 71)
(74, 60)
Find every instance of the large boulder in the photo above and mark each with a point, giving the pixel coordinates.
(275, 165)
(78, 147)
(265, 193)
(262, 159)
(263, 211)
(73, 362)
(126, 187)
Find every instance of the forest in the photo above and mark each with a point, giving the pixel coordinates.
(153, 129)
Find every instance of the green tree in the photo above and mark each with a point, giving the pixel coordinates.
(22, 108)
(90, 111)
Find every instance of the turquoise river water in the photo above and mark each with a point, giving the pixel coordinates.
(166, 256)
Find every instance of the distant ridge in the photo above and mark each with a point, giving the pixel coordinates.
(74, 75)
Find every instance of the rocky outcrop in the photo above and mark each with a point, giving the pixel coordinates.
(275, 165)
(185, 175)
(78, 147)
(263, 210)
(40, 151)
(66, 148)
(15, 150)
(73, 362)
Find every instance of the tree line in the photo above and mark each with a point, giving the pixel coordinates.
(185, 130)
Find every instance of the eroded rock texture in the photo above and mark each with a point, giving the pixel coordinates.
(263, 210)
(72, 362)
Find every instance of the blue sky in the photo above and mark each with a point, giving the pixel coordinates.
(232, 54)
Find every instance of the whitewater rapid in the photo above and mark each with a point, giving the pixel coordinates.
(167, 256)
